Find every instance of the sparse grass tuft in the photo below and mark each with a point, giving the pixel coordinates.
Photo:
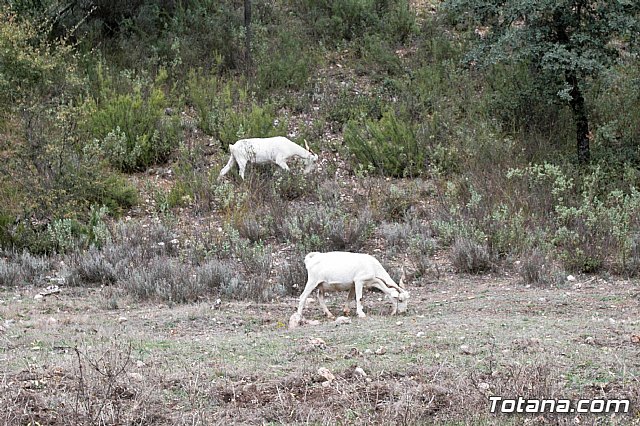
(539, 269)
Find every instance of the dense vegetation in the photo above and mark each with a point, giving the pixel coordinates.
(486, 102)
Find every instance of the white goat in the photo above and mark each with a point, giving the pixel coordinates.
(275, 150)
(335, 271)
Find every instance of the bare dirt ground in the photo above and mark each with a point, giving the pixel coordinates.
(74, 358)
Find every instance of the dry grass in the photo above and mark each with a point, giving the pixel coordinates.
(69, 360)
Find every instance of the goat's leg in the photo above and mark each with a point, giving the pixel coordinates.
(242, 164)
(323, 305)
(305, 294)
(352, 294)
(359, 286)
(228, 167)
(282, 163)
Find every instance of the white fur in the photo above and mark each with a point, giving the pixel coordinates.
(335, 271)
(276, 150)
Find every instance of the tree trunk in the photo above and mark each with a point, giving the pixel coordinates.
(247, 39)
(581, 119)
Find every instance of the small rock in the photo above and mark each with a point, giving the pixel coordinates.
(38, 297)
(381, 350)
(359, 372)
(420, 334)
(353, 352)
(571, 278)
(318, 342)
(399, 323)
(483, 386)
(465, 349)
(342, 320)
(313, 322)
(122, 319)
(135, 376)
(325, 374)
(140, 364)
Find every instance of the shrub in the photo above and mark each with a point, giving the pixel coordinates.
(349, 106)
(286, 64)
(324, 228)
(256, 258)
(378, 58)
(292, 276)
(227, 112)
(91, 268)
(538, 269)
(164, 279)
(217, 275)
(337, 20)
(11, 273)
(389, 146)
(131, 128)
(470, 257)
(34, 68)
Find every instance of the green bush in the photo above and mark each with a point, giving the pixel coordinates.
(337, 20)
(378, 58)
(286, 64)
(34, 69)
(388, 145)
(350, 106)
(228, 112)
(132, 129)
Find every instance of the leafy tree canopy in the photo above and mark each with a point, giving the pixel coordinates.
(567, 41)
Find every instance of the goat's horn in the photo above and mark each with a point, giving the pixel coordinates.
(402, 278)
(306, 145)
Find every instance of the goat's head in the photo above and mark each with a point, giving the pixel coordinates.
(310, 160)
(400, 300)
(403, 301)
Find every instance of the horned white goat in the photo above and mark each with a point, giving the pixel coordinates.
(335, 271)
(275, 150)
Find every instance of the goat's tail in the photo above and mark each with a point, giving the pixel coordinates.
(228, 167)
(309, 256)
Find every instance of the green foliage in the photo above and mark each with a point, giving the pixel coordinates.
(286, 64)
(228, 112)
(566, 42)
(616, 113)
(378, 58)
(333, 21)
(132, 129)
(33, 68)
(561, 37)
(388, 145)
(69, 234)
(349, 106)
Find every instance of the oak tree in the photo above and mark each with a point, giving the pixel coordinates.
(568, 42)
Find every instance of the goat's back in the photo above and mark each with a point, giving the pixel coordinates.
(338, 265)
